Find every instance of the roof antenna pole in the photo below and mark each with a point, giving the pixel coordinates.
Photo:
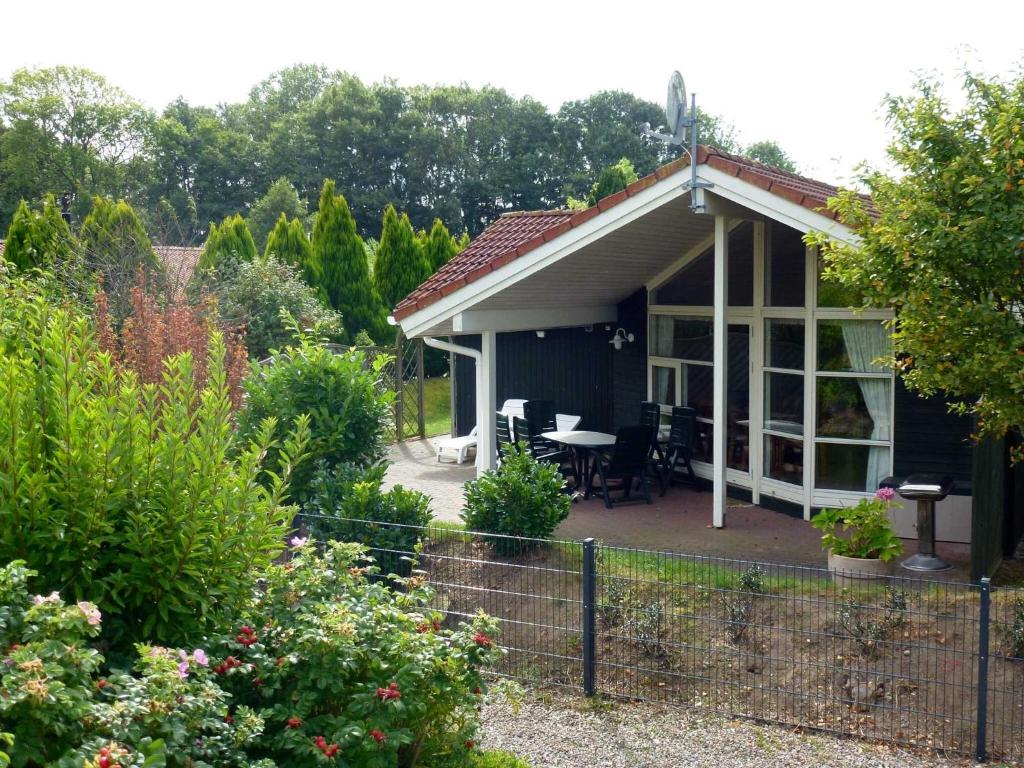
(679, 123)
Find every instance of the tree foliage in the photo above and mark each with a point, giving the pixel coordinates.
(340, 269)
(115, 247)
(282, 199)
(132, 496)
(230, 240)
(39, 238)
(68, 131)
(941, 244)
(400, 265)
(770, 153)
(438, 245)
(289, 243)
(251, 295)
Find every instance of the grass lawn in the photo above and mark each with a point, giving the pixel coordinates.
(437, 403)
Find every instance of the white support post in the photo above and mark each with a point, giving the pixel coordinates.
(721, 339)
(486, 402)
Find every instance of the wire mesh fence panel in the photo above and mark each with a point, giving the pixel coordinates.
(531, 586)
(1005, 699)
(894, 659)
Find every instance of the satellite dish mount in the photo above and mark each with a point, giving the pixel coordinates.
(682, 125)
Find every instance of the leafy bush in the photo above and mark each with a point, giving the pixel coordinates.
(870, 626)
(344, 495)
(523, 497)
(867, 523)
(343, 395)
(251, 295)
(60, 711)
(646, 625)
(1015, 632)
(127, 494)
(338, 664)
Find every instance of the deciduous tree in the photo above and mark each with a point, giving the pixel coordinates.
(281, 198)
(941, 244)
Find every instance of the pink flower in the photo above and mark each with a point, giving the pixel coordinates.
(298, 541)
(885, 494)
(53, 597)
(91, 612)
(183, 665)
(200, 658)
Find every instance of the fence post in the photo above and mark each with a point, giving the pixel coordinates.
(589, 614)
(984, 591)
(422, 423)
(399, 388)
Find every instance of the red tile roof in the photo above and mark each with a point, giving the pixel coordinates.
(514, 234)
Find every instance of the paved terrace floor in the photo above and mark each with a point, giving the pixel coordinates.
(680, 521)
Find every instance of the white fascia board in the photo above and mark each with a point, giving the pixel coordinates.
(476, 320)
(546, 254)
(775, 207)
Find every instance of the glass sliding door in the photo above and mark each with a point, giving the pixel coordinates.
(783, 386)
(738, 399)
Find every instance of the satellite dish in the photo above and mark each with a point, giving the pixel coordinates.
(675, 104)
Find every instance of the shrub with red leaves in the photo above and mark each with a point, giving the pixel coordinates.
(154, 331)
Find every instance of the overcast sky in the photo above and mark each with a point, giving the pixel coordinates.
(810, 75)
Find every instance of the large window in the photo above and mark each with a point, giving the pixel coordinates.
(680, 363)
(853, 429)
(694, 284)
(783, 426)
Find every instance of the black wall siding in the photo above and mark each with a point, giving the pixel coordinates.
(629, 364)
(928, 438)
(571, 366)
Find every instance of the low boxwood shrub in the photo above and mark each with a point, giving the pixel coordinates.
(395, 518)
(338, 664)
(523, 497)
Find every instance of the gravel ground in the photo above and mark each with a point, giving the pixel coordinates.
(557, 730)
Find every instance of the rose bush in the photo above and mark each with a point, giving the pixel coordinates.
(342, 667)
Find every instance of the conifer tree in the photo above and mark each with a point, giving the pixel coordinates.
(281, 197)
(115, 246)
(400, 266)
(438, 246)
(338, 255)
(232, 239)
(289, 243)
(39, 238)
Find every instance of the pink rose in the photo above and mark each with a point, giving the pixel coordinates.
(885, 494)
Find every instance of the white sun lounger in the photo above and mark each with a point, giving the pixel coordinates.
(458, 449)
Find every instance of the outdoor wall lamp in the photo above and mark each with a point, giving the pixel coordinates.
(620, 337)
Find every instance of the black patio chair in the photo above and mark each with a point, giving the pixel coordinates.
(503, 434)
(682, 439)
(625, 463)
(650, 416)
(540, 417)
(541, 449)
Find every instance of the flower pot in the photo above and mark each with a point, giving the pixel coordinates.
(857, 571)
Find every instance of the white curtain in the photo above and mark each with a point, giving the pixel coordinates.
(866, 341)
(664, 328)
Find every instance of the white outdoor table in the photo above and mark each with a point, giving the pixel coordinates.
(582, 443)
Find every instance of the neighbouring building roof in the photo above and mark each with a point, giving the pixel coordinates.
(514, 234)
(179, 263)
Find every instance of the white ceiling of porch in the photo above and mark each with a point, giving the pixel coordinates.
(608, 270)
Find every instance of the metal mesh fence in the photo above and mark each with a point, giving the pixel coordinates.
(899, 659)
